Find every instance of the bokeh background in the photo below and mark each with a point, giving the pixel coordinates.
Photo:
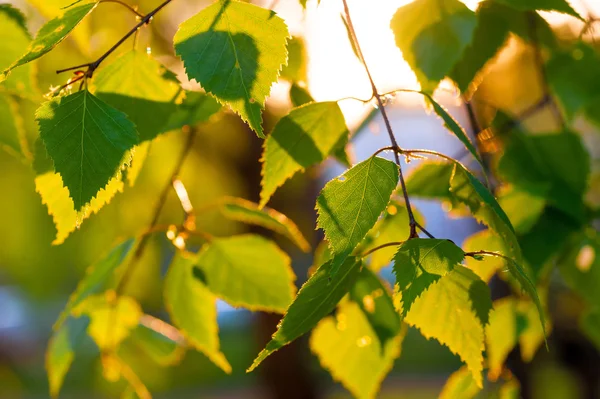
(36, 278)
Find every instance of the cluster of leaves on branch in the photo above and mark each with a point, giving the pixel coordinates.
(94, 134)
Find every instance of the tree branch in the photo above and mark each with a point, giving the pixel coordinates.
(127, 6)
(411, 216)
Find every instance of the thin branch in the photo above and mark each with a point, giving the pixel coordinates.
(127, 6)
(91, 67)
(389, 244)
(474, 254)
(157, 210)
(411, 216)
(429, 152)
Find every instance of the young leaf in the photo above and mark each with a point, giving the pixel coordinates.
(61, 351)
(248, 271)
(374, 299)
(392, 227)
(60, 206)
(432, 36)
(96, 278)
(348, 347)
(315, 300)
(248, 212)
(536, 164)
(235, 51)
(134, 84)
(542, 5)
(420, 263)
(52, 33)
(87, 140)
(304, 137)
(445, 312)
(460, 384)
(111, 320)
(349, 205)
(430, 180)
(193, 310)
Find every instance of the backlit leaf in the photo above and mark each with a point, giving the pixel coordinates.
(542, 5)
(488, 266)
(235, 51)
(350, 205)
(460, 384)
(348, 347)
(430, 180)
(52, 33)
(315, 300)
(444, 312)
(304, 137)
(192, 308)
(501, 336)
(21, 81)
(296, 68)
(87, 140)
(248, 212)
(158, 342)
(11, 131)
(579, 265)
(248, 271)
(373, 298)
(432, 36)
(523, 218)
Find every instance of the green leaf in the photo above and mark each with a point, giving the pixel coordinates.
(315, 300)
(304, 137)
(161, 343)
(12, 134)
(430, 180)
(52, 33)
(579, 265)
(248, 271)
(235, 51)
(536, 164)
(421, 262)
(523, 218)
(486, 267)
(542, 5)
(195, 108)
(511, 389)
(61, 351)
(60, 206)
(111, 319)
(350, 38)
(466, 189)
(432, 35)
(461, 385)
(96, 278)
(350, 205)
(87, 140)
(299, 95)
(374, 299)
(444, 312)
(192, 308)
(248, 212)
(501, 335)
(20, 82)
(348, 347)
(590, 324)
(296, 68)
(134, 84)
(392, 227)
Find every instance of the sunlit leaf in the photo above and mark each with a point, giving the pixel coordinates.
(373, 298)
(418, 263)
(460, 384)
(444, 312)
(542, 5)
(299, 95)
(432, 35)
(348, 347)
(12, 135)
(296, 68)
(21, 81)
(195, 108)
(235, 51)
(350, 205)
(161, 342)
(192, 308)
(523, 218)
(87, 140)
(304, 137)
(52, 33)
(315, 300)
(248, 271)
(430, 180)
(501, 336)
(248, 212)
(488, 266)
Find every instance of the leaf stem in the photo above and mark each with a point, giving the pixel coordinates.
(91, 67)
(389, 244)
(127, 6)
(411, 216)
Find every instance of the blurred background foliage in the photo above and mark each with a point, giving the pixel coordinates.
(36, 277)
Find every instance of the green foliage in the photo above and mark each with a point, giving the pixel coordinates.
(315, 300)
(193, 309)
(432, 35)
(460, 385)
(305, 137)
(248, 271)
(543, 5)
(349, 205)
(235, 51)
(87, 140)
(349, 348)
(431, 180)
(52, 33)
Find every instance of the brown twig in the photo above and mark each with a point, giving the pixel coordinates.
(411, 216)
(389, 244)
